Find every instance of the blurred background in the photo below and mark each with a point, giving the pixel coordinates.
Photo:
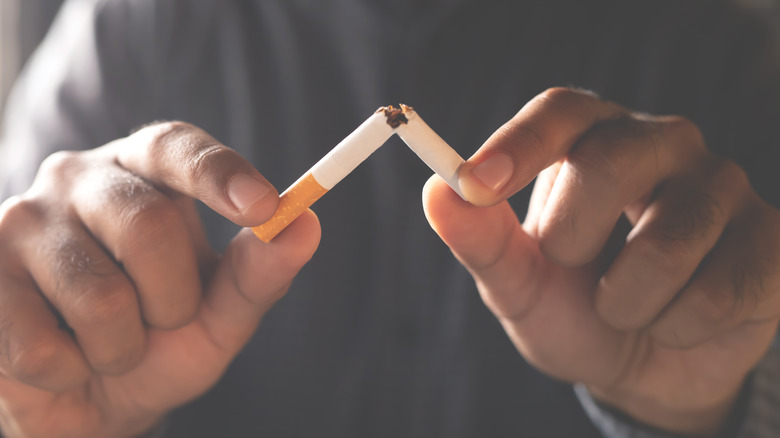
(23, 23)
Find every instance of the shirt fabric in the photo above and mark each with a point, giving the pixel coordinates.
(383, 333)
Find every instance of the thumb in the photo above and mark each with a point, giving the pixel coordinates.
(491, 244)
(251, 277)
(545, 309)
(182, 158)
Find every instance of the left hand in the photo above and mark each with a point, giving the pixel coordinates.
(663, 323)
(114, 309)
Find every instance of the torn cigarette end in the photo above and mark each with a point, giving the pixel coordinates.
(353, 150)
(432, 149)
(294, 201)
(395, 116)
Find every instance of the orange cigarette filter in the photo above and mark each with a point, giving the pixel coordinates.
(326, 173)
(352, 151)
(294, 201)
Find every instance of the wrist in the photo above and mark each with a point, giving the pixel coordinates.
(706, 419)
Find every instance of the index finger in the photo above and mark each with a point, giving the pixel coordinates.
(187, 160)
(541, 133)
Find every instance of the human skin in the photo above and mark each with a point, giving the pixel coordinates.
(661, 314)
(664, 323)
(109, 243)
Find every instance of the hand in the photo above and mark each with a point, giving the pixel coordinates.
(114, 309)
(664, 322)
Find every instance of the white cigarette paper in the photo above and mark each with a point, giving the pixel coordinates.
(352, 151)
(431, 148)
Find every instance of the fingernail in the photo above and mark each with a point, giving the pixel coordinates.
(244, 191)
(495, 171)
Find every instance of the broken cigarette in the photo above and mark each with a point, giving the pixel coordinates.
(352, 151)
(432, 149)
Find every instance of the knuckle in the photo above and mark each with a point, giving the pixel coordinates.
(113, 361)
(118, 189)
(159, 127)
(60, 164)
(19, 211)
(685, 129)
(175, 317)
(200, 166)
(104, 302)
(160, 136)
(563, 96)
(72, 264)
(691, 226)
(611, 151)
(160, 132)
(561, 100)
(668, 256)
(600, 162)
(523, 134)
(149, 218)
(730, 172)
(697, 218)
(190, 142)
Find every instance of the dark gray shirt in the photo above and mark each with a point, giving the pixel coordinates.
(383, 333)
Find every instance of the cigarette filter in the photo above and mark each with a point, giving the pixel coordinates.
(324, 175)
(352, 151)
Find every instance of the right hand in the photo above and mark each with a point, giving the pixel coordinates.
(113, 307)
(663, 322)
